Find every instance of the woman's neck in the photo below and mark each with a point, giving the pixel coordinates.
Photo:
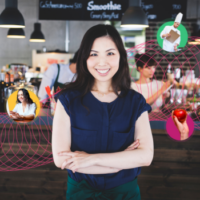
(143, 80)
(103, 87)
(24, 104)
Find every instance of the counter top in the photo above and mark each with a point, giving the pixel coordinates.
(157, 120)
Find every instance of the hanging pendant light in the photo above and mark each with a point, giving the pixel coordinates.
(37, 35)
(16, 33)
(11, 17)
(134, 16)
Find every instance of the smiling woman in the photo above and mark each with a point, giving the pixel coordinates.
(25, 107)
(108, 145)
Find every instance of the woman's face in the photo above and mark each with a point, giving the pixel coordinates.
(104, 58)
(147, 71)
(20, 96)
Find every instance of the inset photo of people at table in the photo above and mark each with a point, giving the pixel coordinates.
(23, 106)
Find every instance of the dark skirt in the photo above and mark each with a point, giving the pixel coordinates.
(83, 191)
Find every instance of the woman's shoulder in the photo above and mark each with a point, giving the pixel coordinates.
(138, 101)
(134, 94)
(33, 104)
(18, 104)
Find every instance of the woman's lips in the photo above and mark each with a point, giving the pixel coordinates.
(103, 72)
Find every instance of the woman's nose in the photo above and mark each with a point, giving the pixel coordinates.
(102, 60)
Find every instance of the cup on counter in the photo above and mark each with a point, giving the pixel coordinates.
(184, 95)
(179, 94)
(173, 95)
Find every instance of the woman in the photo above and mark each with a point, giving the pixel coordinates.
(97, 119)
(25, 108)
(152, 90)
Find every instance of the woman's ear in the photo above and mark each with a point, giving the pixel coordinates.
(139, 69)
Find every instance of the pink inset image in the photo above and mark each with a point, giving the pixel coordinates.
(179, 129)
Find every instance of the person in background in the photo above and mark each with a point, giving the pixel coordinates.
(57, 75)
(25, 108)
(165, 34)
(152, 90)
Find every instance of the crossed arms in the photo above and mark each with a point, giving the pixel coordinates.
(100, 163)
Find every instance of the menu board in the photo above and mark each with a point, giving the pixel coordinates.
(113, 10)
(82, 9)
(158, 10)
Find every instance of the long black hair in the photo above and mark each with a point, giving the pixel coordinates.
(26, 96)
(84, 80)
(74, 59)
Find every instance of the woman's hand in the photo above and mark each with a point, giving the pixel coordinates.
(133, 146)
(79, 159)
(165, 95)
(15, 115)
(182, 127)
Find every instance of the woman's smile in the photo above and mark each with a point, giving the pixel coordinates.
(103, 72)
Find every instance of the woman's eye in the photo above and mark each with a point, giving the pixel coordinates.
(110, 53)
(94, 54)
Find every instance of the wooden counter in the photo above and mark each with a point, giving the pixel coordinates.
(174, 173)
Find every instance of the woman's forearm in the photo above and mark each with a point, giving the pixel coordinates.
(28, 117)
(87, 170)
(156, 95)
(153, 98)
(98, 170)
(125, 159)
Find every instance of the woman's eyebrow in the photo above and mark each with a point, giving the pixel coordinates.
(111, 49)
(106, 50)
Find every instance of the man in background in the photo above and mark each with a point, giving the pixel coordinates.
(56, 76)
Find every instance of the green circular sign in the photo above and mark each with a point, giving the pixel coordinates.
(181, 28)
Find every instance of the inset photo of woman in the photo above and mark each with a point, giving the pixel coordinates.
(23, 106)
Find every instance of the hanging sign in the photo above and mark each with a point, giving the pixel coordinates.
(82, 9)
(113, 10)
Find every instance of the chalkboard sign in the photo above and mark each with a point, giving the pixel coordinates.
(158, 10)
(82, 9)
(113, 10)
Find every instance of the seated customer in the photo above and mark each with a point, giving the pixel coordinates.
(152, 90)
(25, 108)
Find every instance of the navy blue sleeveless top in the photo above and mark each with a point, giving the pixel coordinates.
(106, 128)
